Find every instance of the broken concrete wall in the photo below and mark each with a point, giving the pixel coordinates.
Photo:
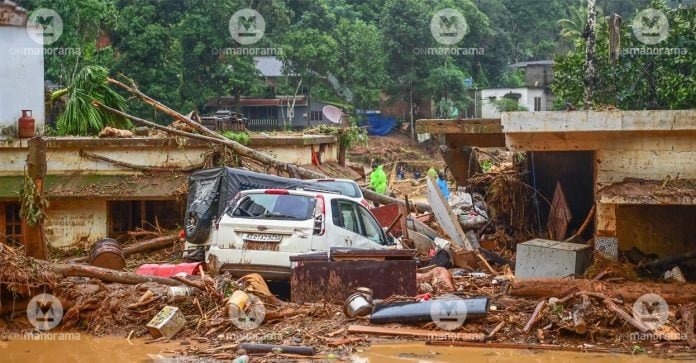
(75, 223)
(652, 156)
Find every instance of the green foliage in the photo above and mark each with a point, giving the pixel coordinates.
(639, 80)
(446, 81)
(506, 104)
(85, 23)
(348, 137)
(80, 116)
(176, 51)
(637, 349)
(241, 137)
(512, 78)
(32, 205)
(362, 76)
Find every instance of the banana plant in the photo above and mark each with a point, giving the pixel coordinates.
(80, 117)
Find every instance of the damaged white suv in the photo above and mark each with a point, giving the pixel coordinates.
(263, 228)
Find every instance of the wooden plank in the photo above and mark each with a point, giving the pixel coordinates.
(421, 227)
(417, 333)
(497, 345)
(421, 242)
(460, 126)
(445, 217)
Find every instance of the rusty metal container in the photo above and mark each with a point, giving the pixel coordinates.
(335, 276)
(107, 253)
(26, 125)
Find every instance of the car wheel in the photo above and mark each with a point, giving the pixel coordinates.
(197, 227)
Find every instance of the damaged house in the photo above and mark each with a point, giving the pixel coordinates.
(631, 172)
(94, 195)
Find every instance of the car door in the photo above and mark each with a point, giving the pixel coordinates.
(371, 231)
(346, 222)
(350, 231)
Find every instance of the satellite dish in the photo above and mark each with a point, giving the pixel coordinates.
(332, 113)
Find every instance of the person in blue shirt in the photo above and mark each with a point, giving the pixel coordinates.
(442, 183)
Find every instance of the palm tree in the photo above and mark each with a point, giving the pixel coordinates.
(80, 117)
(574, 27)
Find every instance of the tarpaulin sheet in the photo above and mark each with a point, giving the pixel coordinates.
(379, 125)
(215, 188)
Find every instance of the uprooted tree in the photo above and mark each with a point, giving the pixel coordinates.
(208, 135)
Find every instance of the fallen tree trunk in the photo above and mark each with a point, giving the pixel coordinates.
(107, 275)
(627, 291)
(255, 155)
(160, 106)
(149, 245)
(141, 167)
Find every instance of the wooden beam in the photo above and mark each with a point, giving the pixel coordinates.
(34, 242)
(417, 333)
(460, 126)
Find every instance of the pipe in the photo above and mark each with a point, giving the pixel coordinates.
(421, 312)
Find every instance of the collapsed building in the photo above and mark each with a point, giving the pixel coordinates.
(632, 172)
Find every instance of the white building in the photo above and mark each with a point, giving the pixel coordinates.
(533, 99)
(535, 94)
(21, 71)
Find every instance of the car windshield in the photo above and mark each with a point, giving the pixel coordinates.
(275, 206)
(347, 188)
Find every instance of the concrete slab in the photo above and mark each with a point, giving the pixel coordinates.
(598, 121)
(540, 258)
